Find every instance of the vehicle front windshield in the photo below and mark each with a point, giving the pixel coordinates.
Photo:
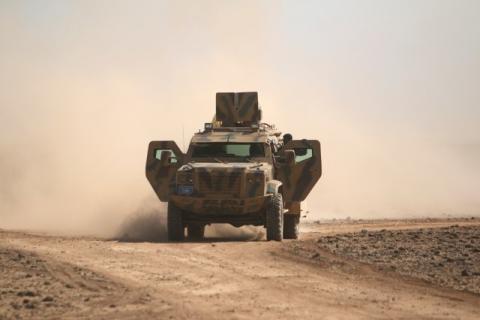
(238, 151)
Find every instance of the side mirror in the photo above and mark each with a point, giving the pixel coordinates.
(290, 157)
(165, 158)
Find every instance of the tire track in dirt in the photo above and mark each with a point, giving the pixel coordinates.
(245, 280)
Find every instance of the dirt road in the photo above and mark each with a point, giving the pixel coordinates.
(46, 276)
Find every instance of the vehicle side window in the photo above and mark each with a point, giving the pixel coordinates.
(158, 155)
(302, 154)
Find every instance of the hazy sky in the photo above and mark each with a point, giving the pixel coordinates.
(390, 88)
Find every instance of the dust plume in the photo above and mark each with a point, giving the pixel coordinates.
(147, 223)
(389, 89)
(227, 232)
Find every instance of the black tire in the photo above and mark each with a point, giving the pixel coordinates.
(274, 218)
(175, 228)
(290, 226)
(195, 231)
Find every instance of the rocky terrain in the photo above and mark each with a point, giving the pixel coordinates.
(337, 270)
(448, 257)
(37, 287)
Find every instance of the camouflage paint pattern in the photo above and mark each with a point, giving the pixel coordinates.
(220, 189)
(210, 206)
(237, 107)
(299, 180)
(162, 178)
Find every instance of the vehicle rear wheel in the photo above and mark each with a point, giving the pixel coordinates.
(290, 226)
(274, 218)
(175, 228)
(195, 231)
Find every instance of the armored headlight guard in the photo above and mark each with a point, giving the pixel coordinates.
(255, 176)
(185, 178)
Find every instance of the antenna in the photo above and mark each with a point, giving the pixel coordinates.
(183, 138)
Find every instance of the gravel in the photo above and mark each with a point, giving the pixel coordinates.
(32, 287)
(448, 257)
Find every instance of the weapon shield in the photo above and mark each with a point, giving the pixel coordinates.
(237, 107)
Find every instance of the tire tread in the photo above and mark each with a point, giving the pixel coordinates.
(274, 218)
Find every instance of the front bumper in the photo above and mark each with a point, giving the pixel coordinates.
(220, 206)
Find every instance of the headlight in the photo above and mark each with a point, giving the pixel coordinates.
(184, 183)
(184, 178)
(255, 177)
(255, 183)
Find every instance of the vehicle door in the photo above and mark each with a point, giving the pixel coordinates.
(299, 177)
(163, 160)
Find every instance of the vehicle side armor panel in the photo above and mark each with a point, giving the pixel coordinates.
(300, 179)
(162, 178)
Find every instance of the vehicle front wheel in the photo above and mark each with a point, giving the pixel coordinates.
(290, 226)
(274, 218)
(175, 228)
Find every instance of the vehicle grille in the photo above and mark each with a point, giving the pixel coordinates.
(216, 182)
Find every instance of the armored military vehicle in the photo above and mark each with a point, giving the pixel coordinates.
(237, 170)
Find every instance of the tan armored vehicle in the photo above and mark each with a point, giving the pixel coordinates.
(238, 170)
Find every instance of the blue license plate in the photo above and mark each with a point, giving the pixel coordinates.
(185, 190)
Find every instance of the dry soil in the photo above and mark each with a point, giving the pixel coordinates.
(405, 269)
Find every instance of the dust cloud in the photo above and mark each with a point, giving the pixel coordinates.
(226, 232)
(84, 86)
(147, 223)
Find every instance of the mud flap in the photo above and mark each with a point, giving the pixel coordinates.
(162, 177)
(298, 180)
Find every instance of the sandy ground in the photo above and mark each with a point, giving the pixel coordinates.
(55, 277)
